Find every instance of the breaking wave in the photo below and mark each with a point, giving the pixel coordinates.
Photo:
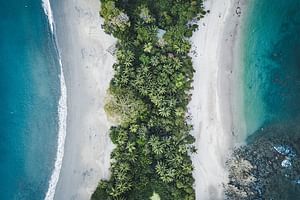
(62, 110)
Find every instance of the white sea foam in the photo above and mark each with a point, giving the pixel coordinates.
(62, 111)
(48, 12)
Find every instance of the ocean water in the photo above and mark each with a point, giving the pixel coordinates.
(271, 58)
(30, 88)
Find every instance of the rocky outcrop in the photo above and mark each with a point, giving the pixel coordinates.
(268, 167)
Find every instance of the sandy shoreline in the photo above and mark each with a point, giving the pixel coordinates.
(88, 70)
(216, 97)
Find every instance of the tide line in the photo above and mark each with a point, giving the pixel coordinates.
(62, 111)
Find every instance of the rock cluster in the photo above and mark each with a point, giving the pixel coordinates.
(268, 167)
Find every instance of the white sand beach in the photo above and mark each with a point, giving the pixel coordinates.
(88, 71)
(215, 97)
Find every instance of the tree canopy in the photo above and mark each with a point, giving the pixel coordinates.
(149, 94)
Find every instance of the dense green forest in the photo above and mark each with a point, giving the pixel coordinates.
(148, 96)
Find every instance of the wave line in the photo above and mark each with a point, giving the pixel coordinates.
(62, 111)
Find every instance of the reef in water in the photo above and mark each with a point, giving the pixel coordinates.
(268, 167)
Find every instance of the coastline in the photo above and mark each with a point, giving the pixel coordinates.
(217, 105)
(62, 109)
(88, 71)
(86, 159)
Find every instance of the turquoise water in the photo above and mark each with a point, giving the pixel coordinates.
(272, 63)
(271, 58)
(29, 86)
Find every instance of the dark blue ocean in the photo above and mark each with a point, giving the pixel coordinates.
(30, 90)
(271, 56)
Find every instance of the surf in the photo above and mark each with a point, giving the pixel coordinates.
(62, 110)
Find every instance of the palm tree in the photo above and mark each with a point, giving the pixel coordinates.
(124, 167)
(182, 149)
(187, 168)
(171, 174)
(160, 168)
(133, 157)
(123, 186)
(157, 146)
(122, 137)
(158, 150)
(128, 60)
(120, 55)
(120, 175)
(156, 100)
(164, 111)
(166, 175)
(177, 63)
(114, 192)
(124, 79)
(177, 48)
(177, 160)
(145, 59)
(130, 147)
(148, 47)
(154, 60)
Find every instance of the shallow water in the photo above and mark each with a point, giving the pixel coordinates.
(29, 86)
(272, 63)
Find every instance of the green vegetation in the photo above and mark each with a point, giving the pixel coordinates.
(155, 197)
(149, 94)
